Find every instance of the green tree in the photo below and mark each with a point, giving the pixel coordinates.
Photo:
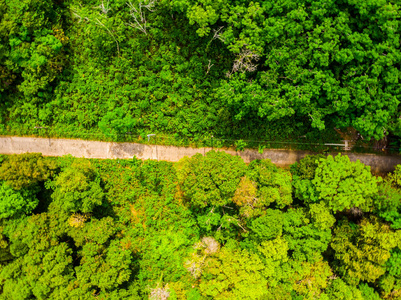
(103, 268)
(338, 289)
(315, 64)
(387, 204)
(77, 188)
(342, 184)
(269, 225)
(96, 231)
(306, 167)
(14, 203)
(273, 184)
(390, 283)
(117, 123)
(303, 172)
(26, 170)
(361, 251)
(306, 239)
(233, 274)
(34, 41)
(368, 292)
(40, 274)
(42, 265)
(211, 179)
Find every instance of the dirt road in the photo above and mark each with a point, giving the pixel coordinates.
(109, 150)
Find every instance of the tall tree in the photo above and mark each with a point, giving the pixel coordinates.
(273, 184)
(211, 179)
(77, 188)
(361, 251)
(15, 203)
(26, 170)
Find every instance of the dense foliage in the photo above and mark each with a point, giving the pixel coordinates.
(192, 69)
(207, 227)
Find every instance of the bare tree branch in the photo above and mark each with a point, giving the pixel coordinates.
(209, 66)
(79, 17)
(112, 35)
(103, 8)
(98, 22)
(138, 14)
(244, 62)
(218, 35)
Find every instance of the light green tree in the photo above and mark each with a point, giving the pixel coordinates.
(233, 274)
(26, 170)
(77, 188)
(361, 251)
(343, 184)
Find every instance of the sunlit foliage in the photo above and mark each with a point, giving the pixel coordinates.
(202, 228)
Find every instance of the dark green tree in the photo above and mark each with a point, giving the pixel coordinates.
(269, 225)
(273, 184)
(117, 123)
(15, 203)
(211, 179)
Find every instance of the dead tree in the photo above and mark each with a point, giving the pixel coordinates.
(137, 12)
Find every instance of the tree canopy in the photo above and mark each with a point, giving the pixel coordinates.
(201, 228)
(272, 70)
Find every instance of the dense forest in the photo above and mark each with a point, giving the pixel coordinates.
(272, 70)
(207, 227)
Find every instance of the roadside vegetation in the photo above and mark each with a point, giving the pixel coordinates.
(188, 70)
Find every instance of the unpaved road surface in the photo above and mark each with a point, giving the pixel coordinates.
(109, 150)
